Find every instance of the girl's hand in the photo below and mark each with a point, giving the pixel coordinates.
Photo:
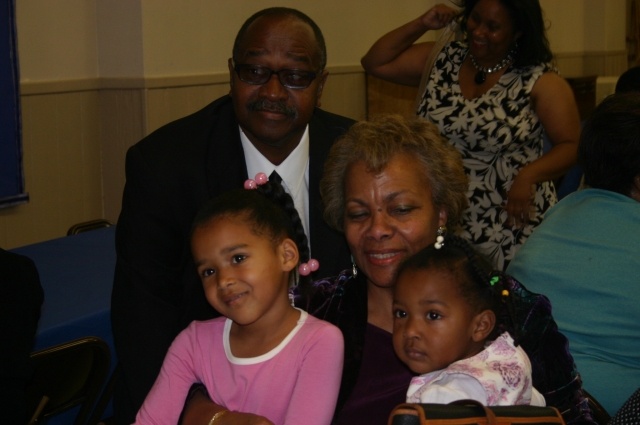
(199, 409)
(239, 418)
(438, 17)
(519, 203)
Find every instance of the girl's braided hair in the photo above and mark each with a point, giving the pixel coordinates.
(269, 211)
(482, 287)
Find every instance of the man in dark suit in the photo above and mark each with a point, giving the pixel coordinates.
(270, 121)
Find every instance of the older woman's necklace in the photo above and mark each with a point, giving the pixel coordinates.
(481, 75)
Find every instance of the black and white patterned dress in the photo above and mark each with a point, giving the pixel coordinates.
(497, 133)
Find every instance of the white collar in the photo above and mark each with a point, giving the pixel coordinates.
(293, 170)
(266, 356)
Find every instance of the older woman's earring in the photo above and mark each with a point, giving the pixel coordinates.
(354, 269)
(442, 230)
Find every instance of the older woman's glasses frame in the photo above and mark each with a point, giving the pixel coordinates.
(290, 78)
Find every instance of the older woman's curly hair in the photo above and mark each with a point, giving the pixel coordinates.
(376, 142)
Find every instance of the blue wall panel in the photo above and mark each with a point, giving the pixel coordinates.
(12, 189)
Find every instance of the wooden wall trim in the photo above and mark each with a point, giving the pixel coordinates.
(602, 63)
(602, 53)
(28, 88)
(164, 82)
(86, 84)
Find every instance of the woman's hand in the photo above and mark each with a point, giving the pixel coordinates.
(553, 101)
(519, 204)
(438, 17)
(395, 57)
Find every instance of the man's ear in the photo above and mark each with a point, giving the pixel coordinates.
(289, 254)
(323, 80)
(482, 325)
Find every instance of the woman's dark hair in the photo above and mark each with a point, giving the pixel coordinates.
(481, 286)
(609, 149)
(533, 45)
(269, 211)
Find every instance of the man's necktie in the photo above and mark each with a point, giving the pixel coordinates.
(275, 177)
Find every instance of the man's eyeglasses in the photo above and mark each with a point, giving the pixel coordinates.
(290, 78)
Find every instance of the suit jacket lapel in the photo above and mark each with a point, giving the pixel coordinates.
(226, 167)
(325, 242)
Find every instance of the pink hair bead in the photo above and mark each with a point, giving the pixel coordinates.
(304, 269)
(261, 178)
(313, 264)
(250, 184)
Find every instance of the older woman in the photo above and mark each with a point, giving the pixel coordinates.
(585, 256)
(493, 96)
(390, 185)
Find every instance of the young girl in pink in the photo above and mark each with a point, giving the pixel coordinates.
(264, 357)
(446, 301)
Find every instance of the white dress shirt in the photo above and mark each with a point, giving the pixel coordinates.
(294, 171)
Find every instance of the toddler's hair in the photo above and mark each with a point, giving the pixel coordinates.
(269, 212)
(480, 286)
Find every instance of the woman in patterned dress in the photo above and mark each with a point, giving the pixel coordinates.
(494, 96)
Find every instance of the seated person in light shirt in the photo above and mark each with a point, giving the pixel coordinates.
(446, 303)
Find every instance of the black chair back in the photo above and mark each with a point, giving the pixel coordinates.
(68, 375)
(88, 225)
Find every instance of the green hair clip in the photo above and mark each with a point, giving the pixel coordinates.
(494, 280)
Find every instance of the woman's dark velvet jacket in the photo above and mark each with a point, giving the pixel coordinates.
(342, 301)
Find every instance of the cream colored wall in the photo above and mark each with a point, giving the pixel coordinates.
(97, 75)
(196, 37)
(57, 40)
(584, 25)
(62, 163)
(70, 39)
(60, 122)
(119, 38)
(587, 36)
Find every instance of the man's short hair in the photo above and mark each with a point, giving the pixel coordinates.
(629, 80)
(609, 149)
(284, 12)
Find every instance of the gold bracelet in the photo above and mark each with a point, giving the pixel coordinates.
(218, 416)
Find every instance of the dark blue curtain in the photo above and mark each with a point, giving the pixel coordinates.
(11, 172)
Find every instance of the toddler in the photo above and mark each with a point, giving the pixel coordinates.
(445, 305)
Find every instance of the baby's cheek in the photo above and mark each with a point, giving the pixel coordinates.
(398, 341)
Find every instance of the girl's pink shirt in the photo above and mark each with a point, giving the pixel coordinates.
(295, 383)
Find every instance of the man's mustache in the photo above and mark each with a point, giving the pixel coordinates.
(268, 106)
